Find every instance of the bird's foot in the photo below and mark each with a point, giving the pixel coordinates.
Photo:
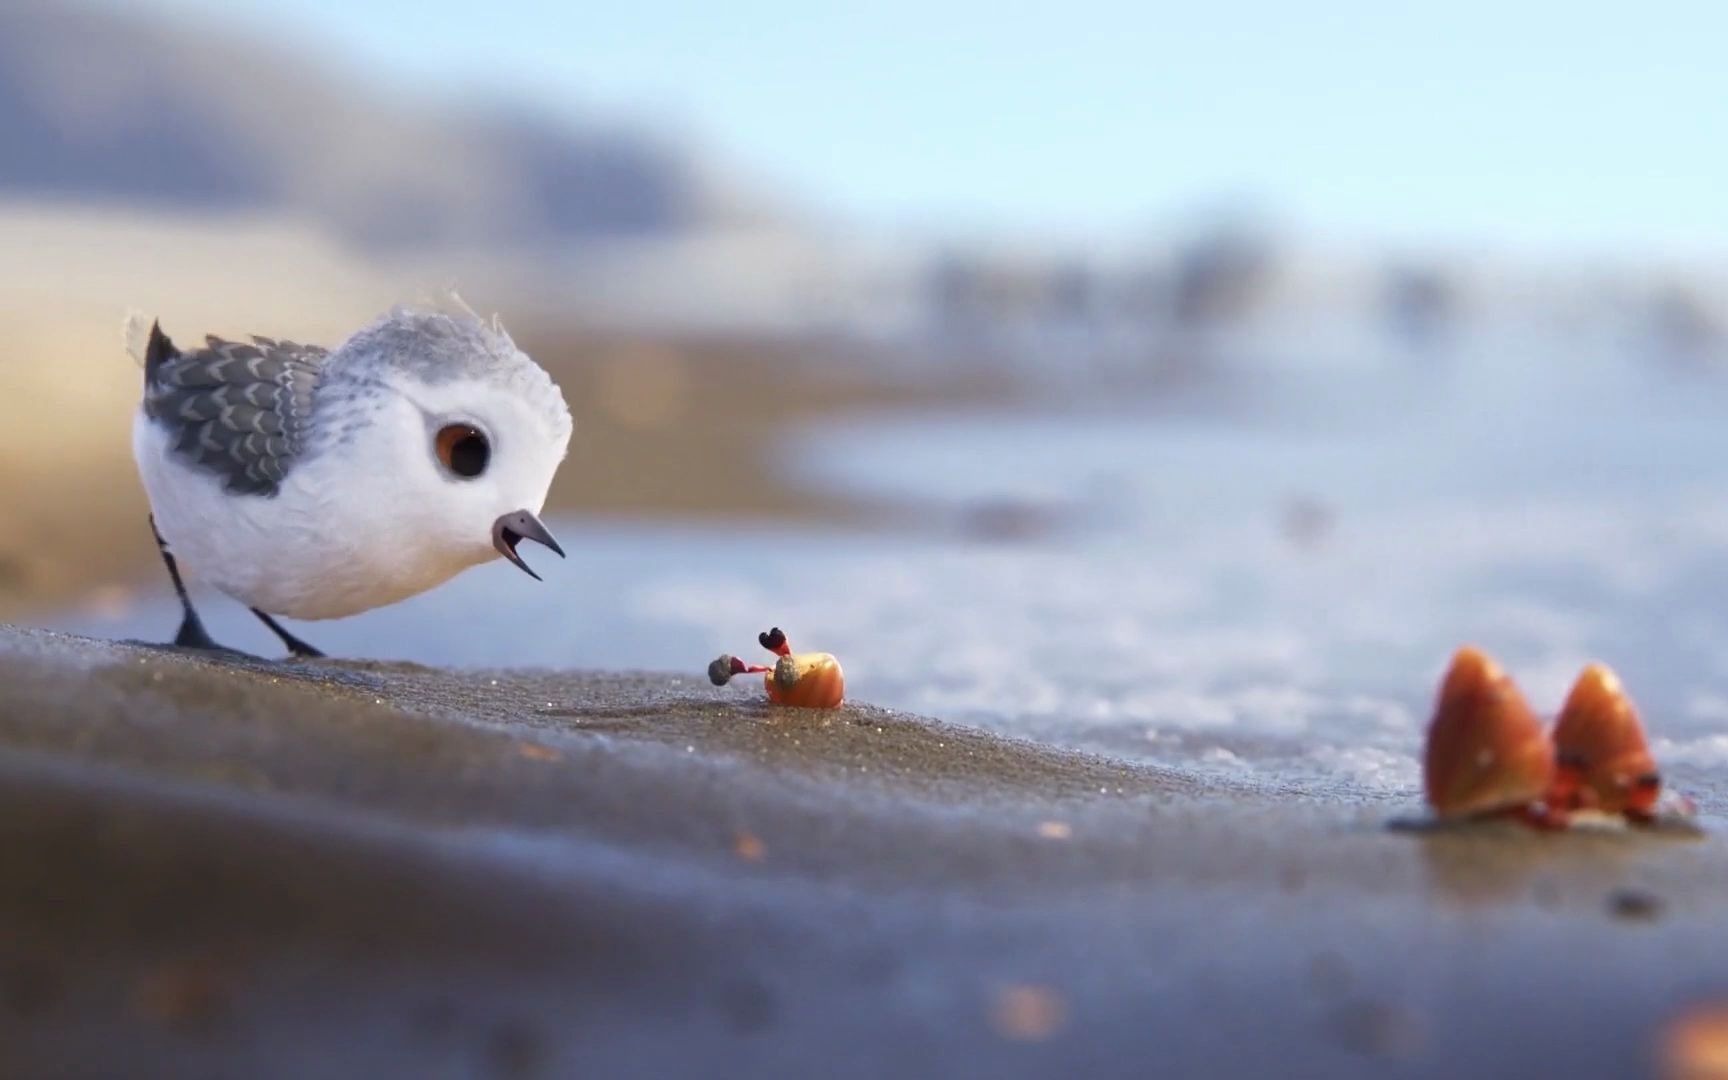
(192, 635)
(297, 649)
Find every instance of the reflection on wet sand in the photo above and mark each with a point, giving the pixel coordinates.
(1475, 865)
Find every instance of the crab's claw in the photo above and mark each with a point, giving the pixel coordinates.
(775, 642)
(1486, 751)
(723, 667)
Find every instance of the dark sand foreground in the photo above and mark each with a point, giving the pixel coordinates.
(217, 868)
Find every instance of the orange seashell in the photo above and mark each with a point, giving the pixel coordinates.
(1694, 1046)
(1604, 758)
(1486, 750)
(807, 680)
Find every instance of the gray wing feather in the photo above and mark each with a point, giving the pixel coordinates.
(238, 410)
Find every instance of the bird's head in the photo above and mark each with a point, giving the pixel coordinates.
(461, 433)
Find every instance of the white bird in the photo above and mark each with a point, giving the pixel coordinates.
(316, 484)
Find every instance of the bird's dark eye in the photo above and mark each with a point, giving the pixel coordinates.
(463, 450)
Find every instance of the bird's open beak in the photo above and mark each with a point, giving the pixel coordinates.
(512, 529)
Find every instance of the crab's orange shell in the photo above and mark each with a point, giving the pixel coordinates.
(1605, 761)
(807, 680)
(1486, 750)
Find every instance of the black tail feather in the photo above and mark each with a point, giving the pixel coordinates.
(159, 349)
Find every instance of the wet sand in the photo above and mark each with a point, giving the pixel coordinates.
(230, 866)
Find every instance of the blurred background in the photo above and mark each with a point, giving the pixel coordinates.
(1178, 380)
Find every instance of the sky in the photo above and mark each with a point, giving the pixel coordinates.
(1545, 125)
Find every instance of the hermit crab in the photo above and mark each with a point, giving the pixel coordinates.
(1487, 753)
(1489, 756)
(808, 680)
(1604, 760)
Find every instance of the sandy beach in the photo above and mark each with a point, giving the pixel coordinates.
(237, 866)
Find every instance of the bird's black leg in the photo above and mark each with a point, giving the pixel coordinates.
(192, 634)
(295, 646)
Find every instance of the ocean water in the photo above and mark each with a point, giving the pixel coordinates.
(1267, 592)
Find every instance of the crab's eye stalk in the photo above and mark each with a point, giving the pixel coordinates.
(463, 450)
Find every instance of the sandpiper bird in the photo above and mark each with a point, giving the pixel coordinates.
(314, 483)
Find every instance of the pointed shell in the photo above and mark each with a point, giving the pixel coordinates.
(1486, 750)
(807, 680)
(1601, 747)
